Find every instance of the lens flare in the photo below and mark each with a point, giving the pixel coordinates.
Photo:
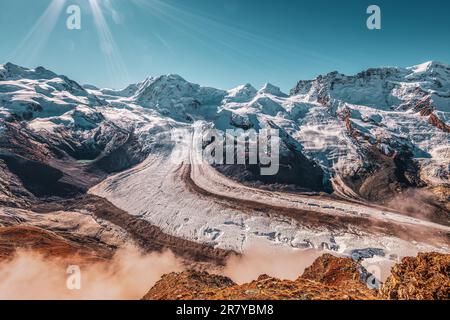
(115, 66)
(37, 38)
(205, 28)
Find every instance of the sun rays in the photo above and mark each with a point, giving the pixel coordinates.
(29, 49)
(205, 28)
(38, 36)
(115, 65)
(225, 39)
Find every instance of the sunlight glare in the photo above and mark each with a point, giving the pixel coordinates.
(115, 65)
(37, 37)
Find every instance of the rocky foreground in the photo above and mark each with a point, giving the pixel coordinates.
(425, 277)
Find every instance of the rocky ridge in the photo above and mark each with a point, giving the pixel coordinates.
(329, 278)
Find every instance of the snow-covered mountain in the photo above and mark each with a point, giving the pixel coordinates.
(26, 94)
(365, 140)
(383, 88)
(333, 120)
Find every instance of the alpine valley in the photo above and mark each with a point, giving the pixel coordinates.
(364, 167)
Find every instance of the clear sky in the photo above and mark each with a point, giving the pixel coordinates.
(221, 43)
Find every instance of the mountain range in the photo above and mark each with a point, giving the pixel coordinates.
(364, 164)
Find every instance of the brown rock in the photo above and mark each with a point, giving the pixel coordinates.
(438, 123)
(48, 244)
(333, 271)
(426, 277)
(329, 278)
(187, 285)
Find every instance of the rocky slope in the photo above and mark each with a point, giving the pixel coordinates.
(425, 277)
(191, 285)
(50, 245)
(329, 278)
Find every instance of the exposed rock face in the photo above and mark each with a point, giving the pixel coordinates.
(426, 277)
(434, 120)
(328, 278)
(442, 194)
(188, 285)
(268, 288)
(49, 244)
(386, 87)
(334, 271)
(191, 285)
(296, 173)
(64, 163)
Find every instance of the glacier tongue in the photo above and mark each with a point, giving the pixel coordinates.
(188, 199)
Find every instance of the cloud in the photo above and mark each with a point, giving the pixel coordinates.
(278, 262)
(129, 275)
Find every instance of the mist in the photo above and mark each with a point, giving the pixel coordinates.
(420, 204)
(278, 262)
(128, 275)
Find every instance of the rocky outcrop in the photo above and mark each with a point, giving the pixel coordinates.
(192, 285)
(328, 278)
(438, 123)
(425, 277)
(188, 285)
(49, 244)
(334, 271)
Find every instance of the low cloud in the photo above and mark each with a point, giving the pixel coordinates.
(278, 262)
(129, 275)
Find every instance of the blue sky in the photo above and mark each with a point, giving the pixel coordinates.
(221, 43)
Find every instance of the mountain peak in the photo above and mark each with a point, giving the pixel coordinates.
(14, 68)
(172, 85)
(427, 66)
(13, 71)
(242, 93)
(269, 88)
(368, 87)
(244, 87)
(173, 76)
